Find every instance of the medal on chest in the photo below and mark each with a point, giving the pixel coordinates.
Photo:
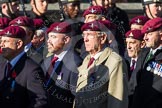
(155, 68)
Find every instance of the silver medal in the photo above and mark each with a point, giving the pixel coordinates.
(148, 68)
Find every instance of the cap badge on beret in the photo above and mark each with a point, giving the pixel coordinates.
(8, 33)
(92, 25)
(57, 28)
(92, 10)
(18, 21)
(149, 29)
(138, 20)
(131, 34)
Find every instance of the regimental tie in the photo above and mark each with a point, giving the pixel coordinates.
(133, 62)
(90, 61)
(8, 69)
(133, 65)
(149, 56)
(50, 70)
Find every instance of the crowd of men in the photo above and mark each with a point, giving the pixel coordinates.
(96, 59)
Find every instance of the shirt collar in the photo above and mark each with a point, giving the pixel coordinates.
(27, 47)
(16, 59)
(154, 51)
(61, 55)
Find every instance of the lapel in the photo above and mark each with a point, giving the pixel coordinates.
(5, 83)
(158, 55)
(20, 64)
(97, 66)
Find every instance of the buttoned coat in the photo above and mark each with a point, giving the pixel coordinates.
(61, 92)
(28, 91)
(110, 87)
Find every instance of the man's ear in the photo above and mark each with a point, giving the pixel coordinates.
(19, 43)
(143, 44)
(103, 38)
(4, 5)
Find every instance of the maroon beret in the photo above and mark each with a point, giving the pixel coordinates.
(135, 34)
(99, 10)
(60, 27)
(4, 22)
(98, 25)
(14, 32)
(22, 21)
(139, 20)
(38, 23)
(152, 25)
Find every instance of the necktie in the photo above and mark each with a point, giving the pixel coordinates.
(8, 69)
(50, 70)
(90, 62)
(149, 56)
(133, 64)
(54, 60)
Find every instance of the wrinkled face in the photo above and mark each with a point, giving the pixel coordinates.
(93, 41)
(72, 9)
(9, 47)
(55, 42)
(153, 39)
(154, 10)
(41, 5)
(136, 27)
(133, 47)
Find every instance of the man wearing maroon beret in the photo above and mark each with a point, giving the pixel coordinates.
(148, 92)
(138, 22)
(61, 68)
(3, 24)
(94, 13)
(135, 43)
(28, 25)
(21, 78)
(102, 80)
(38, 49)
(118, 17)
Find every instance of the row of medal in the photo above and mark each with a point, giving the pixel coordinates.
(155, 67)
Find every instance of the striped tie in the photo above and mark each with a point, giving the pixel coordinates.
(149, 56)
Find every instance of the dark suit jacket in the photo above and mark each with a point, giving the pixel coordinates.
(61, 92)
(148, 92)
(39, 55)
(28, 91)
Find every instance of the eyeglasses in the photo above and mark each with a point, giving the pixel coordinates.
(92, 35)
(89, 35)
